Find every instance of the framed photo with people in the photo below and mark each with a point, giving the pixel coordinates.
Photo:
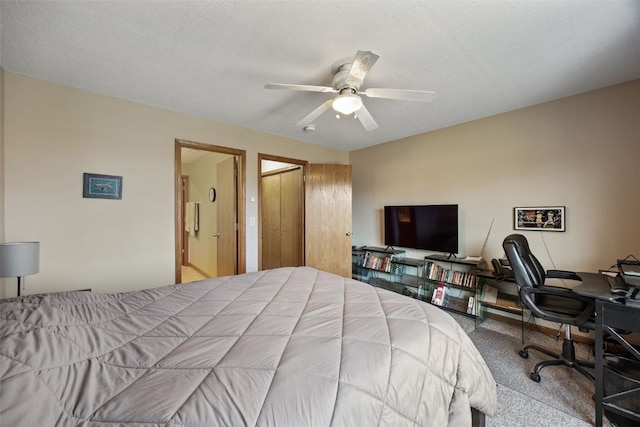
(543, 218)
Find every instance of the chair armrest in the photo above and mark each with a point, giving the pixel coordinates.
(563, 274)
(584, 315)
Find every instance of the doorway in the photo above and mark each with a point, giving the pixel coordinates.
(325, 216)
(209, 211)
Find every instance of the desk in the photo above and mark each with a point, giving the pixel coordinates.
(612, 314)
(595, 285)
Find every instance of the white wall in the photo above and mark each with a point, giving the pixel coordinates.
(54, 133)
(581, 152)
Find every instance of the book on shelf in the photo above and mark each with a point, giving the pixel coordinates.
(375, 262)
(471, 305)
(439, 295)
(455, 277)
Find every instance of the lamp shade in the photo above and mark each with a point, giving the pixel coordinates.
(347, 103)
(18, 259)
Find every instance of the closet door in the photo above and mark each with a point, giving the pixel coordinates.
(270, 205)
(282, 204)
(291, 201)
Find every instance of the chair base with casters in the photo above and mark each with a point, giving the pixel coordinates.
(550, 303)
(567, 358)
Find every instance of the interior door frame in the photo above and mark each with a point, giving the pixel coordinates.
(184, 248)
(303, 164)
(241, 155)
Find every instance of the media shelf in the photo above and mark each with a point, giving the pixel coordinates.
(368, 261)
(453, 283)
(450, 283)
(389, 269)
(506, 303)
(498, 294)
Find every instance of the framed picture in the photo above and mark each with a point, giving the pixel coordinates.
(102, 186)
(543, 218)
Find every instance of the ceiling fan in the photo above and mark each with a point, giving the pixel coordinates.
(346, 83)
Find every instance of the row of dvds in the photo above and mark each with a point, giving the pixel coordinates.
(456, 277)
(375, 262)
(442, 298)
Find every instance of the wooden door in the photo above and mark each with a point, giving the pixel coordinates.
(226, 217)
(270, 221)
(281, 218)
(291, 201)
(328, 218)
(184, 244)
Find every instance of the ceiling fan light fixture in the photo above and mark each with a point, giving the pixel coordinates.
(347, 103)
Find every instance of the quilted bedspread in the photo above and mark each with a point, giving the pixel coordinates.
(284, 347)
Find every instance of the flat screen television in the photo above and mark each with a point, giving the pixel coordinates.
(426, 227)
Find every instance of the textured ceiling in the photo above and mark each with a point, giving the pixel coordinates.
(212, 59)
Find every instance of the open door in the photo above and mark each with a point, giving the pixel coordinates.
(328, 218)
(184, 247)
(226, 234)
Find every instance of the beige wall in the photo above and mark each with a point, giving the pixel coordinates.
(581, 152)
(54, 133)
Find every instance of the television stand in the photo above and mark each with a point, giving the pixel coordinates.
(451, 255)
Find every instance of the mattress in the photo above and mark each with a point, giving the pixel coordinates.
(283, 347)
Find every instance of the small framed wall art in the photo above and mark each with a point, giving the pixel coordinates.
(98, 186)
(542, 218)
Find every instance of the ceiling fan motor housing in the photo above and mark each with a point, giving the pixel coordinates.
(339, 81)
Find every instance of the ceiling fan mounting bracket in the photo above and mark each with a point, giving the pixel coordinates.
(343, 64)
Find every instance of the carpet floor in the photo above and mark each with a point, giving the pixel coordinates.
(563, 397)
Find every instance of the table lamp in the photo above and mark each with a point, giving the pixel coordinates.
(19, 259)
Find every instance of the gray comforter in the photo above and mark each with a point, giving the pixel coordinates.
(284, 347)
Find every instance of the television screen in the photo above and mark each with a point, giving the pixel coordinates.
(428, 227)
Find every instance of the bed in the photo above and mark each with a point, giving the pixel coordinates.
(282, 347)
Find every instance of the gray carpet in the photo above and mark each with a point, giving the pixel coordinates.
(563, 397)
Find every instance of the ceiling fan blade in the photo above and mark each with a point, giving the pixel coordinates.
(303, 88)
(366, 119)
(314, 114)
(361, 65)
(402, 94)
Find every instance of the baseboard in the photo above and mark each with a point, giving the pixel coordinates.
(545, 330)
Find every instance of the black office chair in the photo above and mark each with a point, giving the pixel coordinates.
(550, 303)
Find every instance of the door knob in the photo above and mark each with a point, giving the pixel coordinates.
(349, 233)
(216, 234)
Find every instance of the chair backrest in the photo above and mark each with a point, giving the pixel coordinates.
(526, 268)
